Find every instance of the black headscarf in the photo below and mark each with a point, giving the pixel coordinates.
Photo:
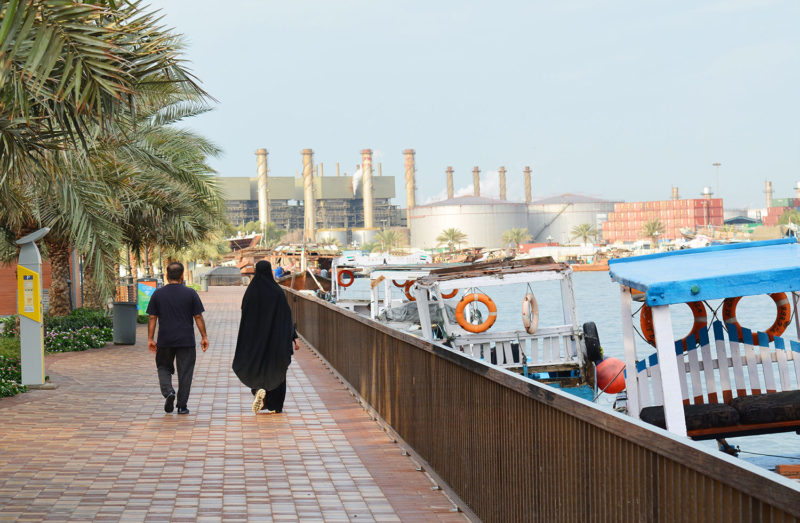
(264, 345)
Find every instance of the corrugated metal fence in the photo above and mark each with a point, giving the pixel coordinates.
(513, 450)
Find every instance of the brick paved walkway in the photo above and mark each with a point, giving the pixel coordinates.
(100, 447)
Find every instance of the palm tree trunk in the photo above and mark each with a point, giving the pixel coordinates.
(59, 273)
(91, 291)
(134, 266)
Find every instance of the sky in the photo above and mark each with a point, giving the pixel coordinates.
(613, 99)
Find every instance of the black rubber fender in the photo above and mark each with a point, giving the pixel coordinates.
(594, 351)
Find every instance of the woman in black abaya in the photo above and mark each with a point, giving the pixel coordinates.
(264, 345)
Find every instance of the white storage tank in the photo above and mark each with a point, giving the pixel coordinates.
(363, 235)
(555, 217)
(483, 220)
(338, 234)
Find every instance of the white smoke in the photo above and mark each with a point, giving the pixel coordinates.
(357, 179)
(490, 188)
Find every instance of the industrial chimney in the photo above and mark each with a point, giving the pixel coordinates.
(309, 202)
(768, 192)
(797, 190)
(476, 180)
(410, 182)
(707, 193)
(449, 182)
(527, 172)
(366, 170)
(263, 189)
(502, 172)
(675, 195)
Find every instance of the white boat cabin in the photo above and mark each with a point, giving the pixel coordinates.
(722, 379)
(531, 348)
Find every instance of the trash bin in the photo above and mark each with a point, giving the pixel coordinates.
(204, 283)
(124, 323)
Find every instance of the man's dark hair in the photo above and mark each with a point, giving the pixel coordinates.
(174, 271)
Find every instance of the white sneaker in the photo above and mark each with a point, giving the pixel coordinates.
(258, 402)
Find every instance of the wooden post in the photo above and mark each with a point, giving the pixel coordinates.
(629, 343)
(670, 386)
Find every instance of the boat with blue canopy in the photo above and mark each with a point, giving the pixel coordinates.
(722, 379)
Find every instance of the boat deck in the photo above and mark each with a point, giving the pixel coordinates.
(101, 447)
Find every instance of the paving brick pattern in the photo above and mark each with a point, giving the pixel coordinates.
(101, 448)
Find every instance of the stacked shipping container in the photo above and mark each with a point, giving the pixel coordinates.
(626, 222)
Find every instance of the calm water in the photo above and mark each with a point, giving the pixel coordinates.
(598, 300)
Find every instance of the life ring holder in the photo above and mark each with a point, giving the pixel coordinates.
(468, 298)
(530, 313)
(349, 274)
(700, 322)
(782, 318)
(407, 288)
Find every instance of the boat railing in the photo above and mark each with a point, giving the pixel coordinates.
(729, 387)
(549, 349)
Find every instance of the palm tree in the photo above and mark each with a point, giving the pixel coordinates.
(652, 229)
(790, 216)
(583, 231)
(70, 68)
(515, 237)
(387, 239)
(74, 78)
(272, 235)
(451, 237)
(370, 246)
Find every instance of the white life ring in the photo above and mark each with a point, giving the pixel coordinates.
(530, 313)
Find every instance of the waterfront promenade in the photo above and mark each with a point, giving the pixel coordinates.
(100, 446)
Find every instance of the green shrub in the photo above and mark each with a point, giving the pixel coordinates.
(8, 326)
(77, 319)
(142, 319)
(10, 376)
(77, 340)
(195, 286)
(9, 347)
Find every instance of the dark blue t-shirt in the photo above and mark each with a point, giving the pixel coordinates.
(176, 306)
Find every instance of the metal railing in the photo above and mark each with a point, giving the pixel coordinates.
(515, 450)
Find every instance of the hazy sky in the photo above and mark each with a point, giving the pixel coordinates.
(614, 99)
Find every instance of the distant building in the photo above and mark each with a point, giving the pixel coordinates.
(626, 223)
(555, 217)
(337, 205)
(484, 220)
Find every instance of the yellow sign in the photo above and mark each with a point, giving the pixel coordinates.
(29, 299)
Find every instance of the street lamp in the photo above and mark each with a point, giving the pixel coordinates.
(717, 164)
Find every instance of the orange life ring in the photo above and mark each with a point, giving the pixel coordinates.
(466, 300)
(407, 288)
(700, 322)
(349, 274)
(530, 313)
(450, 294)
(782, 318)
(401, 285)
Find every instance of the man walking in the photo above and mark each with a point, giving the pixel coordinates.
(173, 306)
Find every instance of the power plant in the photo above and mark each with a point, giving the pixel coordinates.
(337, 206)
(353, 209)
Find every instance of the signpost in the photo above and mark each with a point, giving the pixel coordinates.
(29, 306)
